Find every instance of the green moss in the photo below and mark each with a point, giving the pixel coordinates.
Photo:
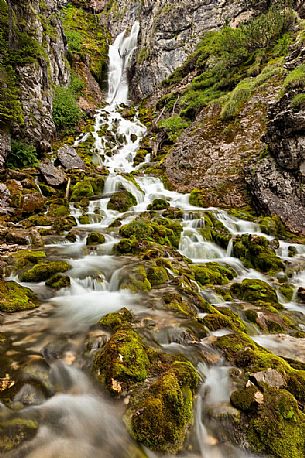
(279, 427)
(84, 219)
(174, 126)
(116, 320)
(15, 298)
(176, 303)
(61, 225)
(255, 251)
(255, 291)
(159, 417)
(58, 210)
(44, 271)
(95, 238)
(298, 101)
(272, 225)
(58, 281)
(287, 291)
(26, 258)
(158, 204)
(214, 231)
(157, 275)
(161, 230)
(296, 78)
(136, 280)
(121, 201)
(82, 189)
(14, 432)
(244, 399)
(123, 359)
(213, 273)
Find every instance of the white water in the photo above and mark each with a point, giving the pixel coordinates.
(78, 422)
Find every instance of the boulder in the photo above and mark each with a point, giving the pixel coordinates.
(69, 158)
(270, 377)
(52, 175)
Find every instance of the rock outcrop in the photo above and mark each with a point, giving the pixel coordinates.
(171, 30)
(276, 182)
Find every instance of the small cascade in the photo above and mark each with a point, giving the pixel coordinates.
(116, 182)
(238, 226)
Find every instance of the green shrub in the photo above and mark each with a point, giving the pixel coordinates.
(237, 99)
(296, 78)
(173, 126)
(66, 112)
(298, 101)
(74, 41)
(22, 155)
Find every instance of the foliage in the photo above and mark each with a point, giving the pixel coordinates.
(224, 58)
(298, 101)
(86, 37)
(173, 126)
(66, 112)
(296, 78)
(22, 155)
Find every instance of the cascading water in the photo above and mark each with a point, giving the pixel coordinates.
(77, 421)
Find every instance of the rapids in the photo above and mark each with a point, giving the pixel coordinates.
(79, 420)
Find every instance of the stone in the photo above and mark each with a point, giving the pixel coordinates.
(52, 175)
(32, 202)
(4, 199)
(5, 146)
(69, 158)
(270, 377)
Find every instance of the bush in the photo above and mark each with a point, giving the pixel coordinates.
(173, 126)
(296, 78)
(237, 99)
(22, 155)
(66, 113)
(298, 101)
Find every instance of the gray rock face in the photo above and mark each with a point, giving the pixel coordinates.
(170, 31)
(4, 199)
(52, 175)
(276, 181)
(5, 146)
(270, 377)
(69, 158)
(38, 78)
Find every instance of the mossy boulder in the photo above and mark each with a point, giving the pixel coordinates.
(255, 251)
(58, 210)
(214, 231)
(272, 225)
(84, 219)
(121, 201)
(161, 230)
(158, 204)
(136, 280)
(278, 428)
(58, 281)
(157, 275)
(116, 320)
(173, 213)
(64, 224)
(159, 416)
(175, 302)
(15, 298)
(213, 273)
(255, 291)
(15, 431)
(95, 238)
(122, 361)
(44, 271)
(199, 198)
(26, 258)
(82, 189)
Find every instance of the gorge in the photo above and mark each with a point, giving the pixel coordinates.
(152, 268)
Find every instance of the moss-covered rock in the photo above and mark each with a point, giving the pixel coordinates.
(14, 432)
(157, 275)
(26, 258)
(213, 273)
(244, 399)
(161, 230)
(44, 271)
(255, 251)
(58, 281)
(64, 224)
(84, 219)
(82, 189)
(158, 204)
(173, 213)
(255, 291)
(214, 231)
(198, 198)
(95, 238)
(58, 210)
(272, 225)
(279, 426)
(116, 320)
(136, 280)
(122, 361)
(15, 298)
(121, 201)
(160, 415)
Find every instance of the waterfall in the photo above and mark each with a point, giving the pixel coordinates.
(120, 54)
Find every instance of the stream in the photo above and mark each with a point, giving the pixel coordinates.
(79, 420)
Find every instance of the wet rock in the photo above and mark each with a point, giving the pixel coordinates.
(44, 271)
(5, 146)
(31, 203)
(69, 158)
(58, 281)
(301, 294)
(15, 298)
(15, 236)
(5, 207)
(15, 431)
(52, 175)
(270, 377)
(95, 238)
(121, 201)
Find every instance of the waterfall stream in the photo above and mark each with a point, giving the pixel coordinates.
(79, 421)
